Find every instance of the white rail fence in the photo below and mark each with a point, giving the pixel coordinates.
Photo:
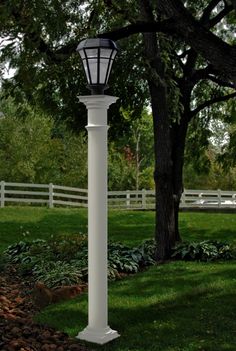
(52, 195)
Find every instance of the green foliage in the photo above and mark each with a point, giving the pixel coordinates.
(210, 152)
(49, 71)
(206, 250)
(146, 179)
(57, 273)
(36, 149)
(121, 172)
(228, 157)
(65, 261)
(122, 259)
(131, 158)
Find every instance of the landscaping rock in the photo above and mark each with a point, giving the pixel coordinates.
(18, 331)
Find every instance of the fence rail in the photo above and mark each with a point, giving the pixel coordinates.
(52, 195)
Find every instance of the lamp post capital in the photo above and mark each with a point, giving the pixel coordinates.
(97, 101)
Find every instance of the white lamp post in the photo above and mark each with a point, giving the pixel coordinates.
(97, 56)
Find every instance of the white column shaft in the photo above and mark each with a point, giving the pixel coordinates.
(97, 330)
(97, 225)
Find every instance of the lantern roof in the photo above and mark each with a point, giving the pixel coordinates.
(96, 43)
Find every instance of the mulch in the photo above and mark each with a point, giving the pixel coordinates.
(18, 331)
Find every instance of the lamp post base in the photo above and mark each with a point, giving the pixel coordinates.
(98, 336)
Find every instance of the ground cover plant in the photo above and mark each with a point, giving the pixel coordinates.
(64, 261)
(179, 306)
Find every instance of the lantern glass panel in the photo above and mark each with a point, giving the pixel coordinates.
(103, 70)
(86, 70)
(92, 53)
(112, 58)
(105, 53)
(93, 67)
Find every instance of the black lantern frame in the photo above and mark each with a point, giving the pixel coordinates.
(97, 56)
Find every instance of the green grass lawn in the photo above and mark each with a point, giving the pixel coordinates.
(174, 307)
(129, 227)
(179, 306)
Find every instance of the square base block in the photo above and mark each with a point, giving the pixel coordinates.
(98, 336)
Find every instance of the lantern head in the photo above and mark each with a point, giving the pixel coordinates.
(97, 56)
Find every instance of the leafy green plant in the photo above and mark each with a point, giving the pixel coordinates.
(57, 273)
(65, 261)
(206, 250)
(129, 260)
(20, 252)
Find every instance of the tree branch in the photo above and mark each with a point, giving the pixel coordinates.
(166, 26)
(211, 102)
(178, 58)
(220, 82)
(213, 21)
(221, 55)
(180, 22)
(202, 73)
(208, 10)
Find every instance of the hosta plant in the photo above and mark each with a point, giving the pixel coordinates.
(206, 250)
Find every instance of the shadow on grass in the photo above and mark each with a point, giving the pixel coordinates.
(205, 226)
(176, 307)
(39, 223)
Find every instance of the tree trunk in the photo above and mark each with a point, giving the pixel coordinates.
(137, 160)
(165, 219)
(168, 191)
(165, 233)
(178, 136)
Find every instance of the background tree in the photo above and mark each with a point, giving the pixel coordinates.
(138, 147)
(187, 70)
(35, 149)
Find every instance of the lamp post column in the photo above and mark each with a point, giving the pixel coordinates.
(97, 330)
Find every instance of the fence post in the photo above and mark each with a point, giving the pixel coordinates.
(2, 193)
(219, 197)
(50, 195)
(127, 198)
(182, 199)
(234, 200)
(144, 202)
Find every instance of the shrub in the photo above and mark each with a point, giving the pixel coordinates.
(206, 250)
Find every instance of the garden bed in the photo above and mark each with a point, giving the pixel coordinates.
(18, 329)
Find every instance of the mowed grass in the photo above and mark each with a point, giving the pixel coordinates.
(179, 306)
(174, 307)
(129, 227)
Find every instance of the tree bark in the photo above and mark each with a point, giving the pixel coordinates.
(165, 233)
(178, 136)
(165, 230)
